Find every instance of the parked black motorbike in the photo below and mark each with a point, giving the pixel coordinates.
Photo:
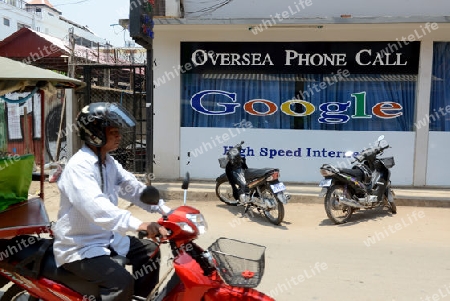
(250, 187)
(366, 185)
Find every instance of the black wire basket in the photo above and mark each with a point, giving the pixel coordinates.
(239, 263)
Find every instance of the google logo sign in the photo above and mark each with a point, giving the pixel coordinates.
(330, 112)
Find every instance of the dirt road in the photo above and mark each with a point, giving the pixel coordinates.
(376, 256)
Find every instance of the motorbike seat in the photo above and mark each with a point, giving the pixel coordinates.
(354, 172)
(254, 173)
(48, 267)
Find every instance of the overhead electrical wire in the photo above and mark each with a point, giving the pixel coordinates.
(210, 9)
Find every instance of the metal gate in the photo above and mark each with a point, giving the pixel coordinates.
(124, 84)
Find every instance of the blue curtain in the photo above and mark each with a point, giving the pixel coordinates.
(378, 88)
(276, 88)
(440, 88)
(314, 88)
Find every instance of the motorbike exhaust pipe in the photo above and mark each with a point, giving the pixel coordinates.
(256, 182)
(350, 203)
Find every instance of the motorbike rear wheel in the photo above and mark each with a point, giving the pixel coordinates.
(17, 293)
(225, 193)
(336, 211)
(276, 214)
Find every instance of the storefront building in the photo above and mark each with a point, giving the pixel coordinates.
(301, 96)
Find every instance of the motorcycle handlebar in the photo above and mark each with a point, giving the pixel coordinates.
(143, 234)
(239, 145)
(369, 151)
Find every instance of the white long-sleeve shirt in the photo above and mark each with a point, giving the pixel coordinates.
(89, 221)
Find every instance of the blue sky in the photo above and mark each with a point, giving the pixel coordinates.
(98, 15)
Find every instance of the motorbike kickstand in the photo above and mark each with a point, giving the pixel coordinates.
(246, 207)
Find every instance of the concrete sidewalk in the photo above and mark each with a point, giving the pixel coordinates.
(307, 193)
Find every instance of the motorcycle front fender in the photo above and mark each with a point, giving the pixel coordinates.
(390, 194)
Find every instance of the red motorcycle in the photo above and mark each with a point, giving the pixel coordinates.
(228, 270)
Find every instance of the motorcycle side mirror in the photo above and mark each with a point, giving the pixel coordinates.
(380, 138)
(150, 195)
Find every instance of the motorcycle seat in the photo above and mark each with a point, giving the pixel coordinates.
(354, 172)
(254, 173)
(48, 267)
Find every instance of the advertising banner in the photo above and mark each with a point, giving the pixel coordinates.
(301, 57)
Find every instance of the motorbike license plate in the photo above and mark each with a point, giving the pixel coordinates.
(325, 183)
(278, 187)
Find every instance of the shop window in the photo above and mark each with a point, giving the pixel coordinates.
(349, 102)
(349, 86)
(439, 116)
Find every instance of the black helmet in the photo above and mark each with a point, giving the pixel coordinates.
(95, 117)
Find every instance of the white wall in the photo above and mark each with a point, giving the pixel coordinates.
(47, 24)
(438, 169)
(308, 151)
(15, 16)
(167, 147)
(316, 8)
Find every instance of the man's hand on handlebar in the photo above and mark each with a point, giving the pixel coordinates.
(154, 231)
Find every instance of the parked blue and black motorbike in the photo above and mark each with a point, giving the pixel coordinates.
(250, 187)
(366, 185)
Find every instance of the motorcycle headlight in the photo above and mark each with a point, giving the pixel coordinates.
(199, 221)
(185, 227)
(384, 144)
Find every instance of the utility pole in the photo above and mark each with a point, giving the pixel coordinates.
(67, 105)
(71, 63)
(141, 30)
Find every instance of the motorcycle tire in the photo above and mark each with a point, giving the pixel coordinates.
(391, 205)
(225, 193)
(393, 208)
(278, 217)
(333, 206)
(17, 293)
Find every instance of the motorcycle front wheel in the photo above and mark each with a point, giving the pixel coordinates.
(16, 293)
(390, 204)
(275, 214)
(225, 193)
(336, 211)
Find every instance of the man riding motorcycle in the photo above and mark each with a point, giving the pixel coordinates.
(90, 227)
